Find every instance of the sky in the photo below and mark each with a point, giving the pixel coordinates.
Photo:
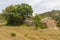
(39, 6)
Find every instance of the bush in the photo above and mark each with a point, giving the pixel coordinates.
(13, 34)
(26, 34)
(14, 19)
(43, 26)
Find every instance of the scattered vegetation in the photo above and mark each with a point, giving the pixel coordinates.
(26, 34)
(16, 15)
(13, 34)
(43, 26)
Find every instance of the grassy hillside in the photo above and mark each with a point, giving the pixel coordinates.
(28, 33)
(52, 13)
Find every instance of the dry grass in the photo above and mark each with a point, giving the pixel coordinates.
(28, 33)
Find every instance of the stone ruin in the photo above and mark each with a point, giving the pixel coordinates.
(29, 22)
(50, 23)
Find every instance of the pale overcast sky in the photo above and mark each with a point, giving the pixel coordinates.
(38, 6)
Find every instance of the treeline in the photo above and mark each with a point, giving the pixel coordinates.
(17, 14)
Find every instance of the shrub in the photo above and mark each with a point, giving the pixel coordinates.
(26, 35)
(13, 34)
(43, 26)
(14, 19)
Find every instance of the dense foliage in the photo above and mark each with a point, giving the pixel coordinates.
(16, 14)
(37, 20)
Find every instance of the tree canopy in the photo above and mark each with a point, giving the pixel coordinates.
(17, 13)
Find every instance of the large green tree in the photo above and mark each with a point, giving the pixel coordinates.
(16, 14)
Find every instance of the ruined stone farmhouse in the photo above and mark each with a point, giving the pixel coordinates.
(51, 23)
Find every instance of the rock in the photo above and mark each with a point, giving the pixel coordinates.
(51, 23)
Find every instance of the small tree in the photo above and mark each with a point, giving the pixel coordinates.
(37, 20)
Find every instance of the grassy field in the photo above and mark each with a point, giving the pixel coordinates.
(28, 33)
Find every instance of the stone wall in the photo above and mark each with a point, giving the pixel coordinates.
(51, 23)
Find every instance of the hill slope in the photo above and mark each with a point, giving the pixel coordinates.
(27, 33)
(52, 13)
